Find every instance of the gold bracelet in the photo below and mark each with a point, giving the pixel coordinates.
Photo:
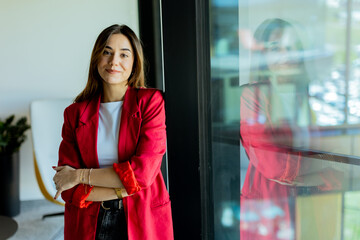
(82, 176)
(89, 177)
(120, 192)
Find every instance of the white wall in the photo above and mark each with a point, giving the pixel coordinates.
(45, 48)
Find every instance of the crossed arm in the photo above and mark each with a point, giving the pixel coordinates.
(104, 182)
(135, 174)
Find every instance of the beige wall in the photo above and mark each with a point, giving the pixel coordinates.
(45, 50)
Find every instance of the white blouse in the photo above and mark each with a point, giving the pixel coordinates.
(108, 133)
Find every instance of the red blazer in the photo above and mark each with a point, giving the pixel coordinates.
(142, 144)
(269, 165)
(269, 192)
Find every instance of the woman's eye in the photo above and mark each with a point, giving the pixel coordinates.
(107, 52)
(123, 55)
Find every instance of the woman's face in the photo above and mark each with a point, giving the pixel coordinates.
(282, 50)
(116, 62)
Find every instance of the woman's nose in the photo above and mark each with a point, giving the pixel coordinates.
(115, 61)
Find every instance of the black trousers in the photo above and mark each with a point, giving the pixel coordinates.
(111, 222)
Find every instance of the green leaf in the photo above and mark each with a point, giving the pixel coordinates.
(9, 120)
(12, 135)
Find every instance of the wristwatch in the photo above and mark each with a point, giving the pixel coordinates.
(120, 193)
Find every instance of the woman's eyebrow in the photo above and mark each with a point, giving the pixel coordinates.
(123, 49)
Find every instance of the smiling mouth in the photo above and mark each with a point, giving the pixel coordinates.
(112, 71)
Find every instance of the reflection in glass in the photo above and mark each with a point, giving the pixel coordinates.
(289, 87)
(274, 127)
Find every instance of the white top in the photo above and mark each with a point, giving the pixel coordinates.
(108, 133)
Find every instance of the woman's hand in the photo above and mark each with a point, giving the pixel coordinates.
(65, 178)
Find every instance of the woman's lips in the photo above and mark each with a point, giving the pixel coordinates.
(112, 71)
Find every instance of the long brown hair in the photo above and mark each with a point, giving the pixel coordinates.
(94, 85)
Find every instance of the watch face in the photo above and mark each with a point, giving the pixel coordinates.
(122, 192)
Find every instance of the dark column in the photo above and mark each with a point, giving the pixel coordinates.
(186, 71)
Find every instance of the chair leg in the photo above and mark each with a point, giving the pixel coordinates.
(52, 215)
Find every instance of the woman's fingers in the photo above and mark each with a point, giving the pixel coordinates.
(59, 188)
(64, 179)
(58, 168)
(56, 180)
(61, 173)
(57, 194)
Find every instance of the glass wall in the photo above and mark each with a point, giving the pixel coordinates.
(285, 118)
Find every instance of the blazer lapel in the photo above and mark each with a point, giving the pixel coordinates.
(86, 134)
(87, 131)
(129, 125)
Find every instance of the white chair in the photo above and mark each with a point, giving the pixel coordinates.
(46, 124)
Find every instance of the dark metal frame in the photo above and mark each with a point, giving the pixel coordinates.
(184, 27)
(187, 74)
(204, 122)
(181, 97)
(151, 37)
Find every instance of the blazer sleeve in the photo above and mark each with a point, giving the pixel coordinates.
(69, 155)
(143, 167)
(270, 148)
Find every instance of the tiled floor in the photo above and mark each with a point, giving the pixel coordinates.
(30, 223)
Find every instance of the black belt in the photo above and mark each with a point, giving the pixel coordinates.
(112, 204)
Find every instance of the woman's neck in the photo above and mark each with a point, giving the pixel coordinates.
(113, 93)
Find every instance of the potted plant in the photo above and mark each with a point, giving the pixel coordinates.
(12, 135)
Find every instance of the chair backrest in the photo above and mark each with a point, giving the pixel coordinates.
(46, 124)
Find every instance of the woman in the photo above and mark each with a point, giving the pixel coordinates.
(274, 126)
(113, 142)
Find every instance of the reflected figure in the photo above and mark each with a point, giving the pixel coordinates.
(275, 124)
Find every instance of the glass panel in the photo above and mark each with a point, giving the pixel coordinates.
(285, 104)
(354, 79)
(225, 117)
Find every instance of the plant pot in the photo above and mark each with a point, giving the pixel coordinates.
(9, 182)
